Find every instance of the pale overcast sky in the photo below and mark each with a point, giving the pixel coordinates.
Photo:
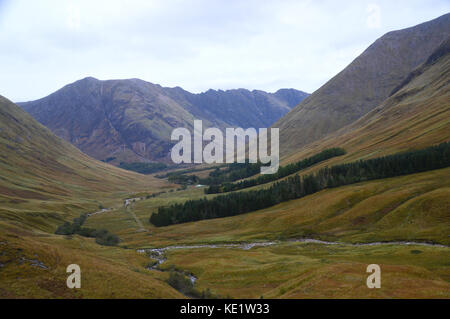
(195, 44)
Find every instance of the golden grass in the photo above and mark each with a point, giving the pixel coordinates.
(295, 270)
(106, 272)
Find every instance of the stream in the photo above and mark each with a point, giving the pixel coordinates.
(159, 253)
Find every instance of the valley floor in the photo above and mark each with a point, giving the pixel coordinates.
(408, 208)
(315, 270)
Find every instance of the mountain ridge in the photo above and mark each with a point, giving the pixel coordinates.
(131, 120)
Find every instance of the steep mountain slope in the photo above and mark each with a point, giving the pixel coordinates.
(361, 86)
(131, 120)
(416, 115)
(42, 177)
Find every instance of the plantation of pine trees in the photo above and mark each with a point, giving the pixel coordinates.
(283, 171)
(235, 203)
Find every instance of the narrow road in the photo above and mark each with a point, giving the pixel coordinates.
(104, 210)
(127, 205)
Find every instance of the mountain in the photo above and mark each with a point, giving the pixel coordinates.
(361, 86)
(414, 116)
(131, 120)
(42, 177)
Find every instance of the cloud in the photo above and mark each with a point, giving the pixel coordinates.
(197, 44)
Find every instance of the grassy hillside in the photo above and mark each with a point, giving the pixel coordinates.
(412, 207)
(33, 265)
(44, 179)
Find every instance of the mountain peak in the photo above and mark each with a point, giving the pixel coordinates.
(88, 79)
